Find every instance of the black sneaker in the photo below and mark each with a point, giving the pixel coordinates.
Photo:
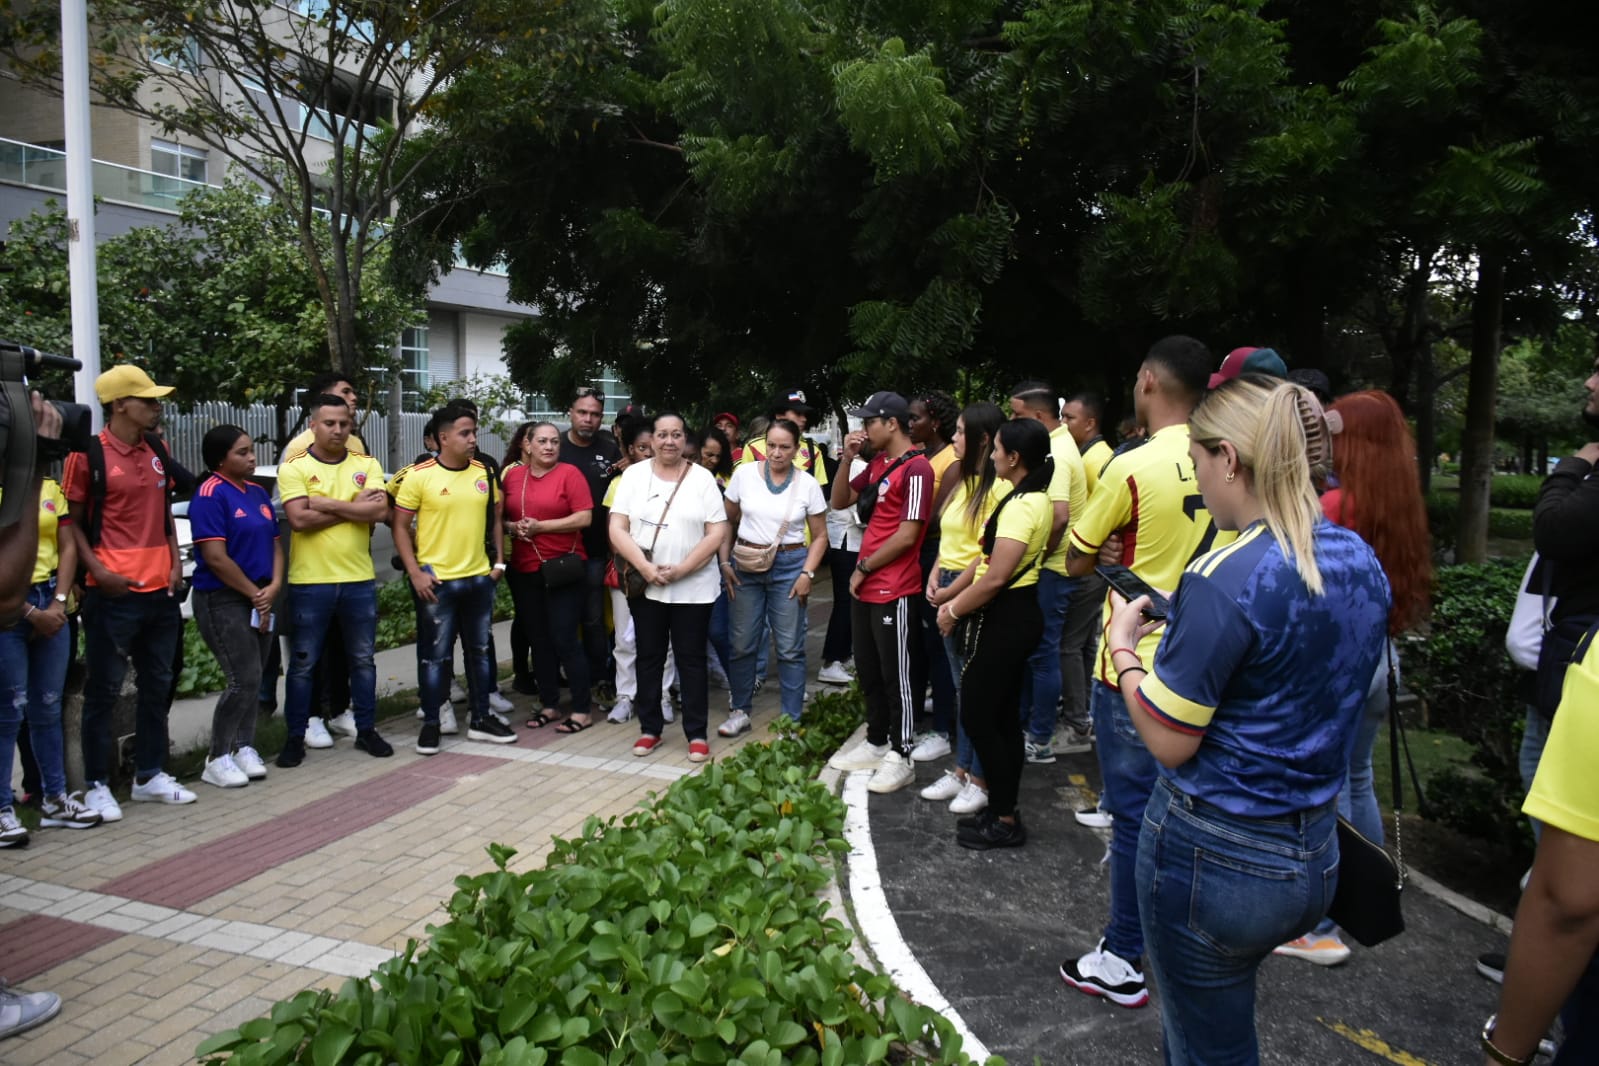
(293, 753)
(976, 821)
(427, 740)
(1107, 974)
(1492, 966)
(492, 730)
(367, 740)
(995, 833)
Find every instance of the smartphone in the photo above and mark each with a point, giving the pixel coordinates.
(255, 621)
(1131, 586)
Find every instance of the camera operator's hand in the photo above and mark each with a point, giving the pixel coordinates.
(46, 419)
(47, 621)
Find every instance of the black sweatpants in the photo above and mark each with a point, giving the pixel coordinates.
(888, 653)
(991, 690)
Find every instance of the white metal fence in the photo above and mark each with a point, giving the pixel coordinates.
(186, 429)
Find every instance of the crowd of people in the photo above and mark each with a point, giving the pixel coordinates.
(1211, 607)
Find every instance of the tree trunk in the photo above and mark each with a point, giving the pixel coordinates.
(396, 422)
(1426, 415)
(1477, 440)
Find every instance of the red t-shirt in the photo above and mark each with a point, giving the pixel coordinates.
(561, 492)
(133, 521)
(904, 496)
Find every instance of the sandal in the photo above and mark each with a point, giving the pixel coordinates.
(572, 725)
(542, 719)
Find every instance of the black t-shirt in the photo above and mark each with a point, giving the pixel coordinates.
(594, 460)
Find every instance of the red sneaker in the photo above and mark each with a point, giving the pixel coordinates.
(698, 751)
(645, 744)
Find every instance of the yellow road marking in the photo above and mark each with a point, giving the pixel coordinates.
(1370, 1041)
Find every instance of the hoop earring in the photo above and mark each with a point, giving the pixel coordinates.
(1230, 475)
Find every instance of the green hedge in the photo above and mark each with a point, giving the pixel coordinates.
(1515, 491)
(1443, 518)
(689, 932)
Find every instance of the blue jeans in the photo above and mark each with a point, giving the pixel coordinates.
(721, 634)
(1218, 893)
(1128, 772)
(147, 627)
(1357, 800)
(762, 601)
(311, 607)
(32, 673)
(1041, 691)
(1534, 735)
(464, 604)
(965, 755)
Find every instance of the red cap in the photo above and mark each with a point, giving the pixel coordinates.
(1249, 361)
(729, 416)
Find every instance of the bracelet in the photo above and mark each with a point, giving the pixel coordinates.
(1130, 651)
(499, 566)
(863, 568)
(953, 617)
(30, 612)
(1494, 1052)
(1129, 670)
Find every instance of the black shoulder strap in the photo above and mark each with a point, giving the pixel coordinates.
(96, 498)
(159, 446)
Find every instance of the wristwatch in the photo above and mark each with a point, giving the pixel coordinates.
(863, 568)
(61, 597)
(1496, 1054)
(808, 573)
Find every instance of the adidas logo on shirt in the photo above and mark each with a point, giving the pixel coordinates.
(238, 512)
(445, 491)
(116, 471)
(315, 480)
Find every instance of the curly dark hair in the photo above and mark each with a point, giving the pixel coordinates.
(944, 411)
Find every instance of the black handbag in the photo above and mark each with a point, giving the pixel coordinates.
(1371, 882)
(562, 570)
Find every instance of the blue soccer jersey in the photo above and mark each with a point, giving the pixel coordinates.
(1271, 676)
(239, 515)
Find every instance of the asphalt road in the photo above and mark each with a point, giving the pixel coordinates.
(991, 928)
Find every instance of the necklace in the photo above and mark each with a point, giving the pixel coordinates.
(775, 489)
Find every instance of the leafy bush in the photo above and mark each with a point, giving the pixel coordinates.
(1508, 523)
(691, 931)
(1471, 689)
(1519, 491)
(201, 672)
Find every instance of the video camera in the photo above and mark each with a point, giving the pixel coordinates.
(21, 448)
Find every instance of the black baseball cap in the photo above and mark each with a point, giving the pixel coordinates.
(884, 405)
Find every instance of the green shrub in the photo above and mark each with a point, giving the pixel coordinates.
(1518, 491)
(201, 672)
(1471, 689)
(1510, 524)
(691, 931)
(1443, 517)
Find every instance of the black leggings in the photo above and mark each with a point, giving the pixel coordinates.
(991, 690)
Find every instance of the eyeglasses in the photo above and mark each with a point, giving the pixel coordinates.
(589, 390)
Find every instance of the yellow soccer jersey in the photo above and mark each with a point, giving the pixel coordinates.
(807, 457)
(1095, 456)
(1067, 485)
(451, 508)
(1027, 518)
(1149, 497)
(52, 512)
(1565, 792)
(960, 539)
(340, 553)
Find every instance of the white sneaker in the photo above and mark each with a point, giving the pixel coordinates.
(1068, 740)
(893, 774)
(498, 703)
(162, 788)
(863, 756)
(66, 811)
(421, 715)
(973, 798)
(1093, 817)
(344, 723)
(223, 772)
(621, 711)
(945, 788)
(447, 723)
(833, 674)
(249, 760)
(316, 734)
(457, 693)
(99, 798)
(930, 746)
(737, 722)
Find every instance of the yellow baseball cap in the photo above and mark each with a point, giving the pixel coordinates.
(127, 380)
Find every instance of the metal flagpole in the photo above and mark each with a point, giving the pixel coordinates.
(80, 200)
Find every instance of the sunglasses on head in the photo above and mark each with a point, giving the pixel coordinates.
(589, 390)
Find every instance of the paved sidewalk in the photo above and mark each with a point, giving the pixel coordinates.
(179, 922)
(991, 928)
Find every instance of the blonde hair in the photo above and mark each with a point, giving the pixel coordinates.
(1279, 432)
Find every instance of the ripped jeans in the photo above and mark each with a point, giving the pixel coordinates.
(33, 670)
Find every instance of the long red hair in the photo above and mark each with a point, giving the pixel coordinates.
(1374, 457)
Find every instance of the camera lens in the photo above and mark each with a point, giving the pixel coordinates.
(76, 422)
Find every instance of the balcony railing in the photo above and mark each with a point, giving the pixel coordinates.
(46, 168)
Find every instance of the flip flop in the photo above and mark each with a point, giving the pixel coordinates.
(542, 719)
(572, 725)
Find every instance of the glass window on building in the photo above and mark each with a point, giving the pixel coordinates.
(179, 160)
(415, 379)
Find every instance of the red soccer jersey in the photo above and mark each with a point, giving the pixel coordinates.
(561, 492)
(906, 495)
(133, 519)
